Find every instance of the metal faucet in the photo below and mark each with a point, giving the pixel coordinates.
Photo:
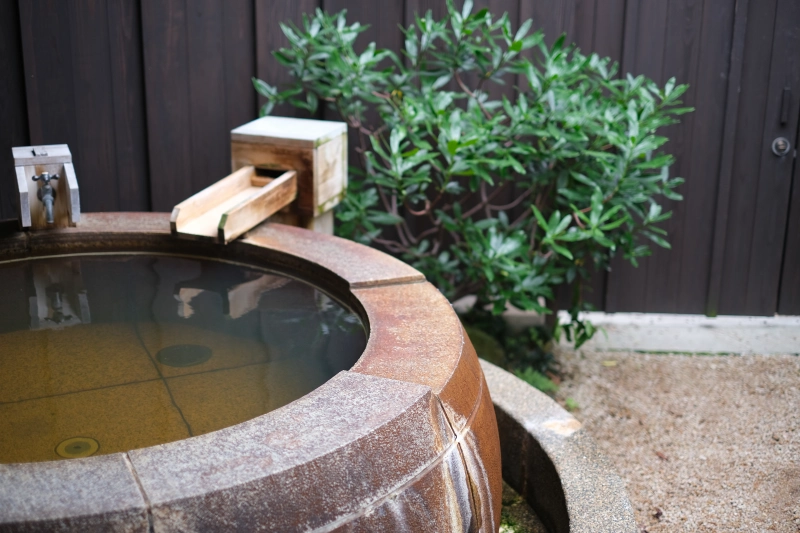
(53, 292)
(47, 194)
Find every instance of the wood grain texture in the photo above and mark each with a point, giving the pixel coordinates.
(775, 173)
(94, 106)
(13, 113)
(752, 157)
(198, 61)
(240, 64)
(22, 197)
(83, 88)
(667, 281)
(130, 127)
(789, 296)
(210, 197)
(207, 127)
(728, 153)
(609, 29)
(168, 105)
(267, 201)
(281, 158)
(554, 18)
(643, 53)
(700, 152)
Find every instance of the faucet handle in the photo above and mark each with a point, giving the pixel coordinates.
(46, 177)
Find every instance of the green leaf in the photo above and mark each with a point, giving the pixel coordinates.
(441, 81)
(563, 224)
(523, 30)
(540, 217)
(383, 218)
(452, 147)
(656, 239)
(263, 88)
(467, 9)
(561, 250)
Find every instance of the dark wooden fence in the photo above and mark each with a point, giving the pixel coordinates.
(145, 93)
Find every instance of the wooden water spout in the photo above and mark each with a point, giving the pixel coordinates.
(294, 170)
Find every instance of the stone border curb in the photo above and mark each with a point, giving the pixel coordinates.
(553, 463)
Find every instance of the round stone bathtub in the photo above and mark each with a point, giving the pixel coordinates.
(405, 440)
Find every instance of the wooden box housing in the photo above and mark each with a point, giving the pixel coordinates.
(30, 161)
(315, 149)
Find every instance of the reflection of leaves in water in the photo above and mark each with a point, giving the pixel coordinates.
(334, 317)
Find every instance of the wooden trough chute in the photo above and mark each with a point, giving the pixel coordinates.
(308, 159)
(233, 205)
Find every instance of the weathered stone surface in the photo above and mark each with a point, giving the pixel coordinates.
(406, 440)
(480, 448)
(437, 500)
(359, 265)
(92, 494)
(415, 336)
(100, 232)
(553, 463)
(321, 458)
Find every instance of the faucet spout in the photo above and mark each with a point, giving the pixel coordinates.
(48, 209)
(47, 194)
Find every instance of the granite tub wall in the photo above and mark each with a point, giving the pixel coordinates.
(404, 441)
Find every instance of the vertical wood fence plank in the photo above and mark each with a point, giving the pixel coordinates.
(199, 59)
(207, 125)
(73, 66)
(681, 57)
(789, 297)
(496, 91)
(93, 153)
(607, 41)
(47, 52)
(14, 131)
(609, 29)
(645, 27)
(775, 173)
(748, 152)
(583, 27)
(168, 107)
(700, 156)
(130, 133)
(240, 65)
(554, 18)
(727, 155)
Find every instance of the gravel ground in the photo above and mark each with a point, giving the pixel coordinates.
(704, 443)
(517, 516)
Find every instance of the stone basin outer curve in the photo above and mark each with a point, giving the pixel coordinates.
(404, 441)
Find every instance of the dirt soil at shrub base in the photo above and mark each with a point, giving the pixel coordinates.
(704, 443)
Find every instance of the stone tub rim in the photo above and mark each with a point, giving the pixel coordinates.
(430, 377)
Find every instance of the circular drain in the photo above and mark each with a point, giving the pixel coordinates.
(184, 355)
(77, 447)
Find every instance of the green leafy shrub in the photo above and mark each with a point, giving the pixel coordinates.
(576, 144)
